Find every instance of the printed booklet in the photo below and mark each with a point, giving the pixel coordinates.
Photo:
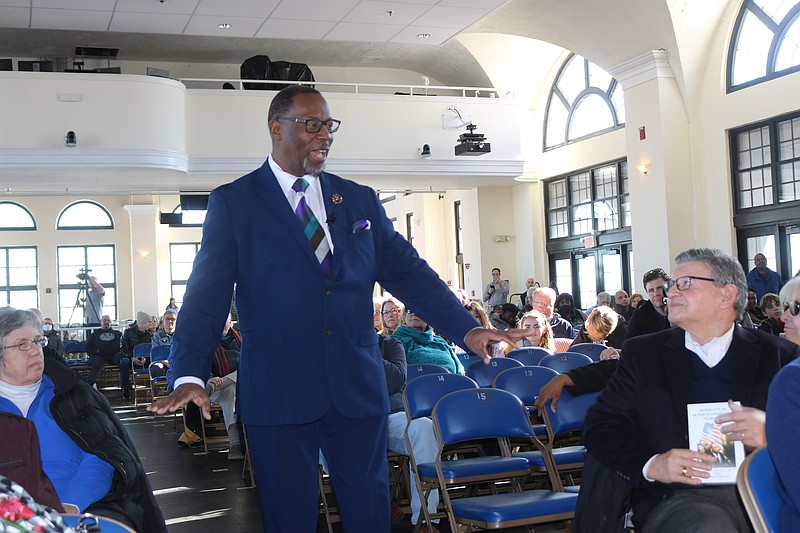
(706, 436)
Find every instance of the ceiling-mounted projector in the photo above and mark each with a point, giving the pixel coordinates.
(472, 143)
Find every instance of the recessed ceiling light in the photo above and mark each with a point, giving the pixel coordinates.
(224, 26)
(423, 35)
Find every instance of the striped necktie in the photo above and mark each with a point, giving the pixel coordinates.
(311, 227)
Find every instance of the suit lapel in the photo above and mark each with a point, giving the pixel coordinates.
(746, 353)
(272, 195)
(678, 364)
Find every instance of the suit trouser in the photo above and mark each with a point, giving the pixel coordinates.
(285, 460)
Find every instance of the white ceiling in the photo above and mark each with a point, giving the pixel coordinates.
(315, 32)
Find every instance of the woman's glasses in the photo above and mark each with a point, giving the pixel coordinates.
(26, 345)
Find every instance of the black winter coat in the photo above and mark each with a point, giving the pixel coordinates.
(86, 416)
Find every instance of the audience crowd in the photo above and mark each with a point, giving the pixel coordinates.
(690, 339)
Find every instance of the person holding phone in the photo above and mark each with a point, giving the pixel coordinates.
(496, 292)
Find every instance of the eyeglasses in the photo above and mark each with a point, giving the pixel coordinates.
(313, 125)
(26, 345)
(684, 282)
(792, 307)
(390, 312)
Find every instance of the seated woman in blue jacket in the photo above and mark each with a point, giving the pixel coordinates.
(86, 451)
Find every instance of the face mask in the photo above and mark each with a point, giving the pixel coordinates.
(48, 327)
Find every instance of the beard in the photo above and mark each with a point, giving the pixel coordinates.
(312, 170)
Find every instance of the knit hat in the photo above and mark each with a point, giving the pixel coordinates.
(142, 317)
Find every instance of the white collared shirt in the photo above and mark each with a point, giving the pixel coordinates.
(714, 350)
(313, 195)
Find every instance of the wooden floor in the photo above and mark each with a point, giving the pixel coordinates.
(197, 493)
(201, 493)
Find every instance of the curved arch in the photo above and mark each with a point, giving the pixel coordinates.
(760, 35)
(15, 217)
(84, 214)
(567, 118)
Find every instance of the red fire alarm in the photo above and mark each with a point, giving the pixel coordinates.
(642, 133)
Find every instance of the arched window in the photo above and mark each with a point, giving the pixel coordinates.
(585, 100)
(765, 43)
(14, 217)
(84, 214)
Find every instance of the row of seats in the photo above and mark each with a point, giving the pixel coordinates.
(532, 356)
(462, 411)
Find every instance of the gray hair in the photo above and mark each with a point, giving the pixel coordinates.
(790, 291)
(603, 298)
(725, 269)
(12, 319)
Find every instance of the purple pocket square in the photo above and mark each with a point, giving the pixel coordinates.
(360, 226)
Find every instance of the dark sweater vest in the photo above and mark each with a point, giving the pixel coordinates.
(712, 384)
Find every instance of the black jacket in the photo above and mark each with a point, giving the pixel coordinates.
(132, 337)
(615, 339)
(86, 416)
(645, 320)
(394, 364)
(642, 410)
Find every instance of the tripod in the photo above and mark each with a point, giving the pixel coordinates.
(80, 301)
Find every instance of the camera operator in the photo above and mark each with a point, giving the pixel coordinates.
(93, 306)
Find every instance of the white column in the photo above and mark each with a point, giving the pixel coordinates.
(662, 200)
(144, 258)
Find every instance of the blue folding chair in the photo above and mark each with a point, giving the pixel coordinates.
(524, 382)
(423, 369)
(467, 358)
(74, 349)
(491, 414)
(484, 374)
(756, 483)
(141, 376)
(592, 349)
(158, 377)
(568, 419)
(529, 356)
(566, 361)
(419, 397)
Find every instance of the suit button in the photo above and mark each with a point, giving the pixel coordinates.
(328, 332)
(328, 292)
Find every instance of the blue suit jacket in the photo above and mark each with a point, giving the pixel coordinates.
(642, 410)
(783, 419)
(308, 341)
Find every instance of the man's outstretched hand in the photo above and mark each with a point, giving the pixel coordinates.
(183, 394)
(478, 340)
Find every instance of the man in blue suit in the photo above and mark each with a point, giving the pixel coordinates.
(305, 388)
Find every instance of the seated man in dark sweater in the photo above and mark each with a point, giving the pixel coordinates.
(651, 316)
(103, 348)
(638, 426)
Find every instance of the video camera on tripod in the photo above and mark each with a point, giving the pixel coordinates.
(83, 274)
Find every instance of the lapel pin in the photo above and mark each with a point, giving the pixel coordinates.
(337, 198)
